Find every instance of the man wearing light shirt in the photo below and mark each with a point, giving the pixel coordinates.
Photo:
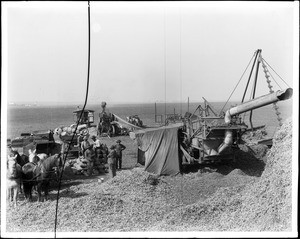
(97, 145)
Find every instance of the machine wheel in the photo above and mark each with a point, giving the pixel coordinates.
(112, 130)
(85, 131)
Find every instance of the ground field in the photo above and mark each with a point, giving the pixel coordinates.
(253, 193)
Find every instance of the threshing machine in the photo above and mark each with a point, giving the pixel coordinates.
(211, 138)
(208, 137)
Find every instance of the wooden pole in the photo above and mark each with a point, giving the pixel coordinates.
(155, 111)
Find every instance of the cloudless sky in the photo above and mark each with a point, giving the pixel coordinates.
(143, 51)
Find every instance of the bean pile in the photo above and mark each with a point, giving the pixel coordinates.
(264, 205)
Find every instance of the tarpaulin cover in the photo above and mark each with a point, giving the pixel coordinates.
(158, 150)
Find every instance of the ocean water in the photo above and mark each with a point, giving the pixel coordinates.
(24, 119)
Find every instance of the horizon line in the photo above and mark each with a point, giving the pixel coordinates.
(112, 102)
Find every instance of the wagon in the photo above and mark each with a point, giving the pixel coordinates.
(43, 142)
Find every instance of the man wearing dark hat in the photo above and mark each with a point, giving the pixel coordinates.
(112, 157)
(119, 148)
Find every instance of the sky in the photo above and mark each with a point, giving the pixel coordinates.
(144, 52)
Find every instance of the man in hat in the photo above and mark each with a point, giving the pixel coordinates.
(119, 148)
(112, 157)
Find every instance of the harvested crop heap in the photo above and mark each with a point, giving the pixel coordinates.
(265, 205)
(246, 196)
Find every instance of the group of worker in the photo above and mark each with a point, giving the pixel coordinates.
(90, 151)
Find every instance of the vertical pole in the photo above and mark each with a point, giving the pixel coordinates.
(257, 52)
(165, 65)
(254, 87)
(174, 115)
(180, 72)
(155, 111)
(188, 104)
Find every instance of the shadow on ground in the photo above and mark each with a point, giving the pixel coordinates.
(251, 160)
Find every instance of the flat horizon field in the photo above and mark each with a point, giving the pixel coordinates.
(22, 119)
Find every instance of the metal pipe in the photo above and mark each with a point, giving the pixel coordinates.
(227, 141)
(258, 102)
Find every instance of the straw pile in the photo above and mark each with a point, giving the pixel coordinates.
(264, 205)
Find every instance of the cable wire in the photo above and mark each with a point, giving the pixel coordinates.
(237, 83)
(275, 80)
(276, 73)
(264, 61)
(85, 102)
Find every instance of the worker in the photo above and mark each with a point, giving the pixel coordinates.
(89, 155)
(96, 145)
(51, 133)
(79, 141)
(119, 148)
(105, 117)
(85, 144)
(104, 109)
(112, 157)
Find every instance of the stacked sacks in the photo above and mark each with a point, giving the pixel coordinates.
(65, 131)
(101, 159)
(96, 165)
(80, 165)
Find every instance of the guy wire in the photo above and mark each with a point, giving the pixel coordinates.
(276, 73)
(86, 97)
(237, 83)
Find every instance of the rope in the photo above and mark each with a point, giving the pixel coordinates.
(237, 83)
(85, 102)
